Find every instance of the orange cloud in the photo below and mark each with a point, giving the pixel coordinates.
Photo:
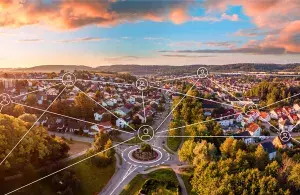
(274, 15)
(178, 15)
(66, 14)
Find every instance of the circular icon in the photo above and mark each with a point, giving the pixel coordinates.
(141, 84)
(69, 79)
(284, 136)
(145, 133)
(249, 108)
(202, 72)
(4, 99)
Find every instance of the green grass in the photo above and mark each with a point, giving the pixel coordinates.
(92, 180)
(135, 140)
(168, 150)
(186, 179)
(174, 142)
(136, 184)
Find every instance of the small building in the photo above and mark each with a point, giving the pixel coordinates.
(269, 148)
(245, 136)
(254, 129)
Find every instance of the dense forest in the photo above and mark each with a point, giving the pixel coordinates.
(271, 92)
(229, 166)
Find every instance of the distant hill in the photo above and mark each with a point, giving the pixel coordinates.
(54, 68)
(165, 69)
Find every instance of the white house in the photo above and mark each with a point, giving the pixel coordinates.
(98, 116)
(269, 148)
(239, 117)
(226, 122)
(296, 107)
(254, 129)
(264, 117)
(131, 100)
(120, 123)
(274, 115)
(245, 136)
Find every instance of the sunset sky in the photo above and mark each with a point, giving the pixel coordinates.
(144, 32)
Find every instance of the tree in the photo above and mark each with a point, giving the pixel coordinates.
(272, 169)
(261, 158)
(204, 152)
(84, 105)
(294, 176)
(18, 110)
(186, 151)
(31, 99)
(229, 147)
(36, 148)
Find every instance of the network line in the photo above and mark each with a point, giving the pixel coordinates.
(104, 82)
(71, 165)
(32, 126)
(224, 89)
(105, 109)
(176, 106)
(198, 123)
(37, 90)
(175, 92)
(54, 113)
(144, 108)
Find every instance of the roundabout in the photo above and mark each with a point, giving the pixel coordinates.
(160, 156)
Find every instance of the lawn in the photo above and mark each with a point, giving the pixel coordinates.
(174, 142)
(163, 175)
(92, 180)
(186, 179)
(77, 147)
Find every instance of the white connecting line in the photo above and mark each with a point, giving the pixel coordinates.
(105, 108)
(54, 113)
(279, 101)
(215, 136)
(66, 167)
(104, 82)
(129, 171)
(176, 106)
(198, 123)
(14, 79)
(36, 90)
(144, 107)
(224, 89)
(195, 97)
(32, 127)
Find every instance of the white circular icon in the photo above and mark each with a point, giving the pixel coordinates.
(145, 133)
(141, 84)
(69, 79)
(284, 136)
(4, 99)
(202, 72)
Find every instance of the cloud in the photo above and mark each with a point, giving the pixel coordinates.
(278, 17)
(253, 32)
(191, 44)
(29, 40)
(84, 39)
(234, 17)
(187, 56)
(126, 37)
(74, 14)
(224, 16)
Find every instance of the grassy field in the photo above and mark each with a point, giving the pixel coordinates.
(186, 179)
(174, 142)
(137, 183)
(92, 180)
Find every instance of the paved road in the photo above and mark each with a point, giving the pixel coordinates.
(126, 172)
